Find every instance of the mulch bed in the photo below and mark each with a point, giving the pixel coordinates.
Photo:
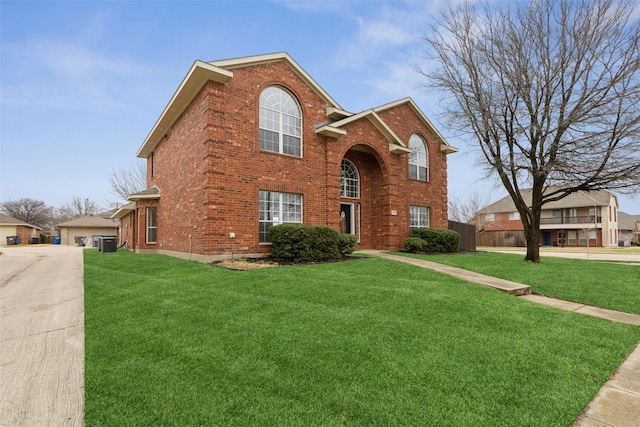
(244, 264)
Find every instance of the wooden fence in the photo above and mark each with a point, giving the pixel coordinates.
(467, 234)
(501, 238)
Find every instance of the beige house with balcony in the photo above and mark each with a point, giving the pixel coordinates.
(580, 219)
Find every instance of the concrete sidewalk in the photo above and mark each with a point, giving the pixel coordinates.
(617, 404)
(41, 336)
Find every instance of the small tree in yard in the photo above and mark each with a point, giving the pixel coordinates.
(549, 90)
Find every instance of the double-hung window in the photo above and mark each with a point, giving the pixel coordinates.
(418, 159)
(152, 224)
(418, 217)
(278, 208)
(280, 122)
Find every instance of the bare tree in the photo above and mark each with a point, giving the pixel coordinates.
(34, 212)
(466, 210)
(76, 208)
(128, 181)
(549, 90)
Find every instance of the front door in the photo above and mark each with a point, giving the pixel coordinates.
(546, 238)
(346, 218)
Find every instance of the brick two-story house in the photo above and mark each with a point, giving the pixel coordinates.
(251, 142)
(580, 219)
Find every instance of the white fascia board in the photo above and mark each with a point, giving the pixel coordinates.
(445, 147)
(198, 75)
(376, 121)
(330, 131)
(230, 64)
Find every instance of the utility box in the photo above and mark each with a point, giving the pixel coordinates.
(108, 244)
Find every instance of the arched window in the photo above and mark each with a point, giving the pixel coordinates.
(280, 122)
(418, 158)
(349, 180)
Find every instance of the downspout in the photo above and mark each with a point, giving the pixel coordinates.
(189, 246)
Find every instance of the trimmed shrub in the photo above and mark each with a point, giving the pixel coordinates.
(347, 243)
(415, 244)
(304, 243)
(438, 241)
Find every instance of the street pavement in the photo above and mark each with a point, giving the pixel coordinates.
(41, 336)
(594, 254)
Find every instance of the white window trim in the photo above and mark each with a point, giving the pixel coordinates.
(413, 141)
(412, 210)
(149, 209)
(278, 220)
(280, 131)
(344, 185)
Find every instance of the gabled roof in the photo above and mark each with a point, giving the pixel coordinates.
(335, 129)
(395, 142)
(444, 145)
(89, 221)
(247, 61)
(124, 210)
(627, 222)
(579, 199)
(149, 193)
(218, 71)
(9, 220)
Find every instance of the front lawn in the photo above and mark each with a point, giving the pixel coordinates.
(365, 342)
(600, 283)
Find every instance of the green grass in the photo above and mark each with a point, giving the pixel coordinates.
(366, 342)
(603, 284)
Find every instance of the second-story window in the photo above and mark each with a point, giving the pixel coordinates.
(418, 159)
(280, 122)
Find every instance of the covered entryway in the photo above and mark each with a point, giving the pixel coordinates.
(363, 197)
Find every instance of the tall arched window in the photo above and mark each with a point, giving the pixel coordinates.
(418, 158)
(280, 122)
(349, 180)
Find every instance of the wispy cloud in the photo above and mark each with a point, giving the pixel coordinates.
(50, 74)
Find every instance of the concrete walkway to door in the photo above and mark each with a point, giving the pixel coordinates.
(41, 336)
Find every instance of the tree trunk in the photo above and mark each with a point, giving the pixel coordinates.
(532, 225)
(532, 233)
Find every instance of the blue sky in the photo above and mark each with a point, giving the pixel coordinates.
(83, 82)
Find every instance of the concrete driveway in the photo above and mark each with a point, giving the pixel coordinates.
(41, 336)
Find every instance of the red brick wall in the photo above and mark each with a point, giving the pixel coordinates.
(432, 194)
(24, 234)
(127, 231)
(502, 222)
(210, 169)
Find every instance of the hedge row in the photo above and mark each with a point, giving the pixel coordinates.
(432, 240)
(309, 243)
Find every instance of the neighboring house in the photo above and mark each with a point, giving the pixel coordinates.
(577, 220)
(87, 227)
(10, 226)
(248, 143)
(628, 228)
